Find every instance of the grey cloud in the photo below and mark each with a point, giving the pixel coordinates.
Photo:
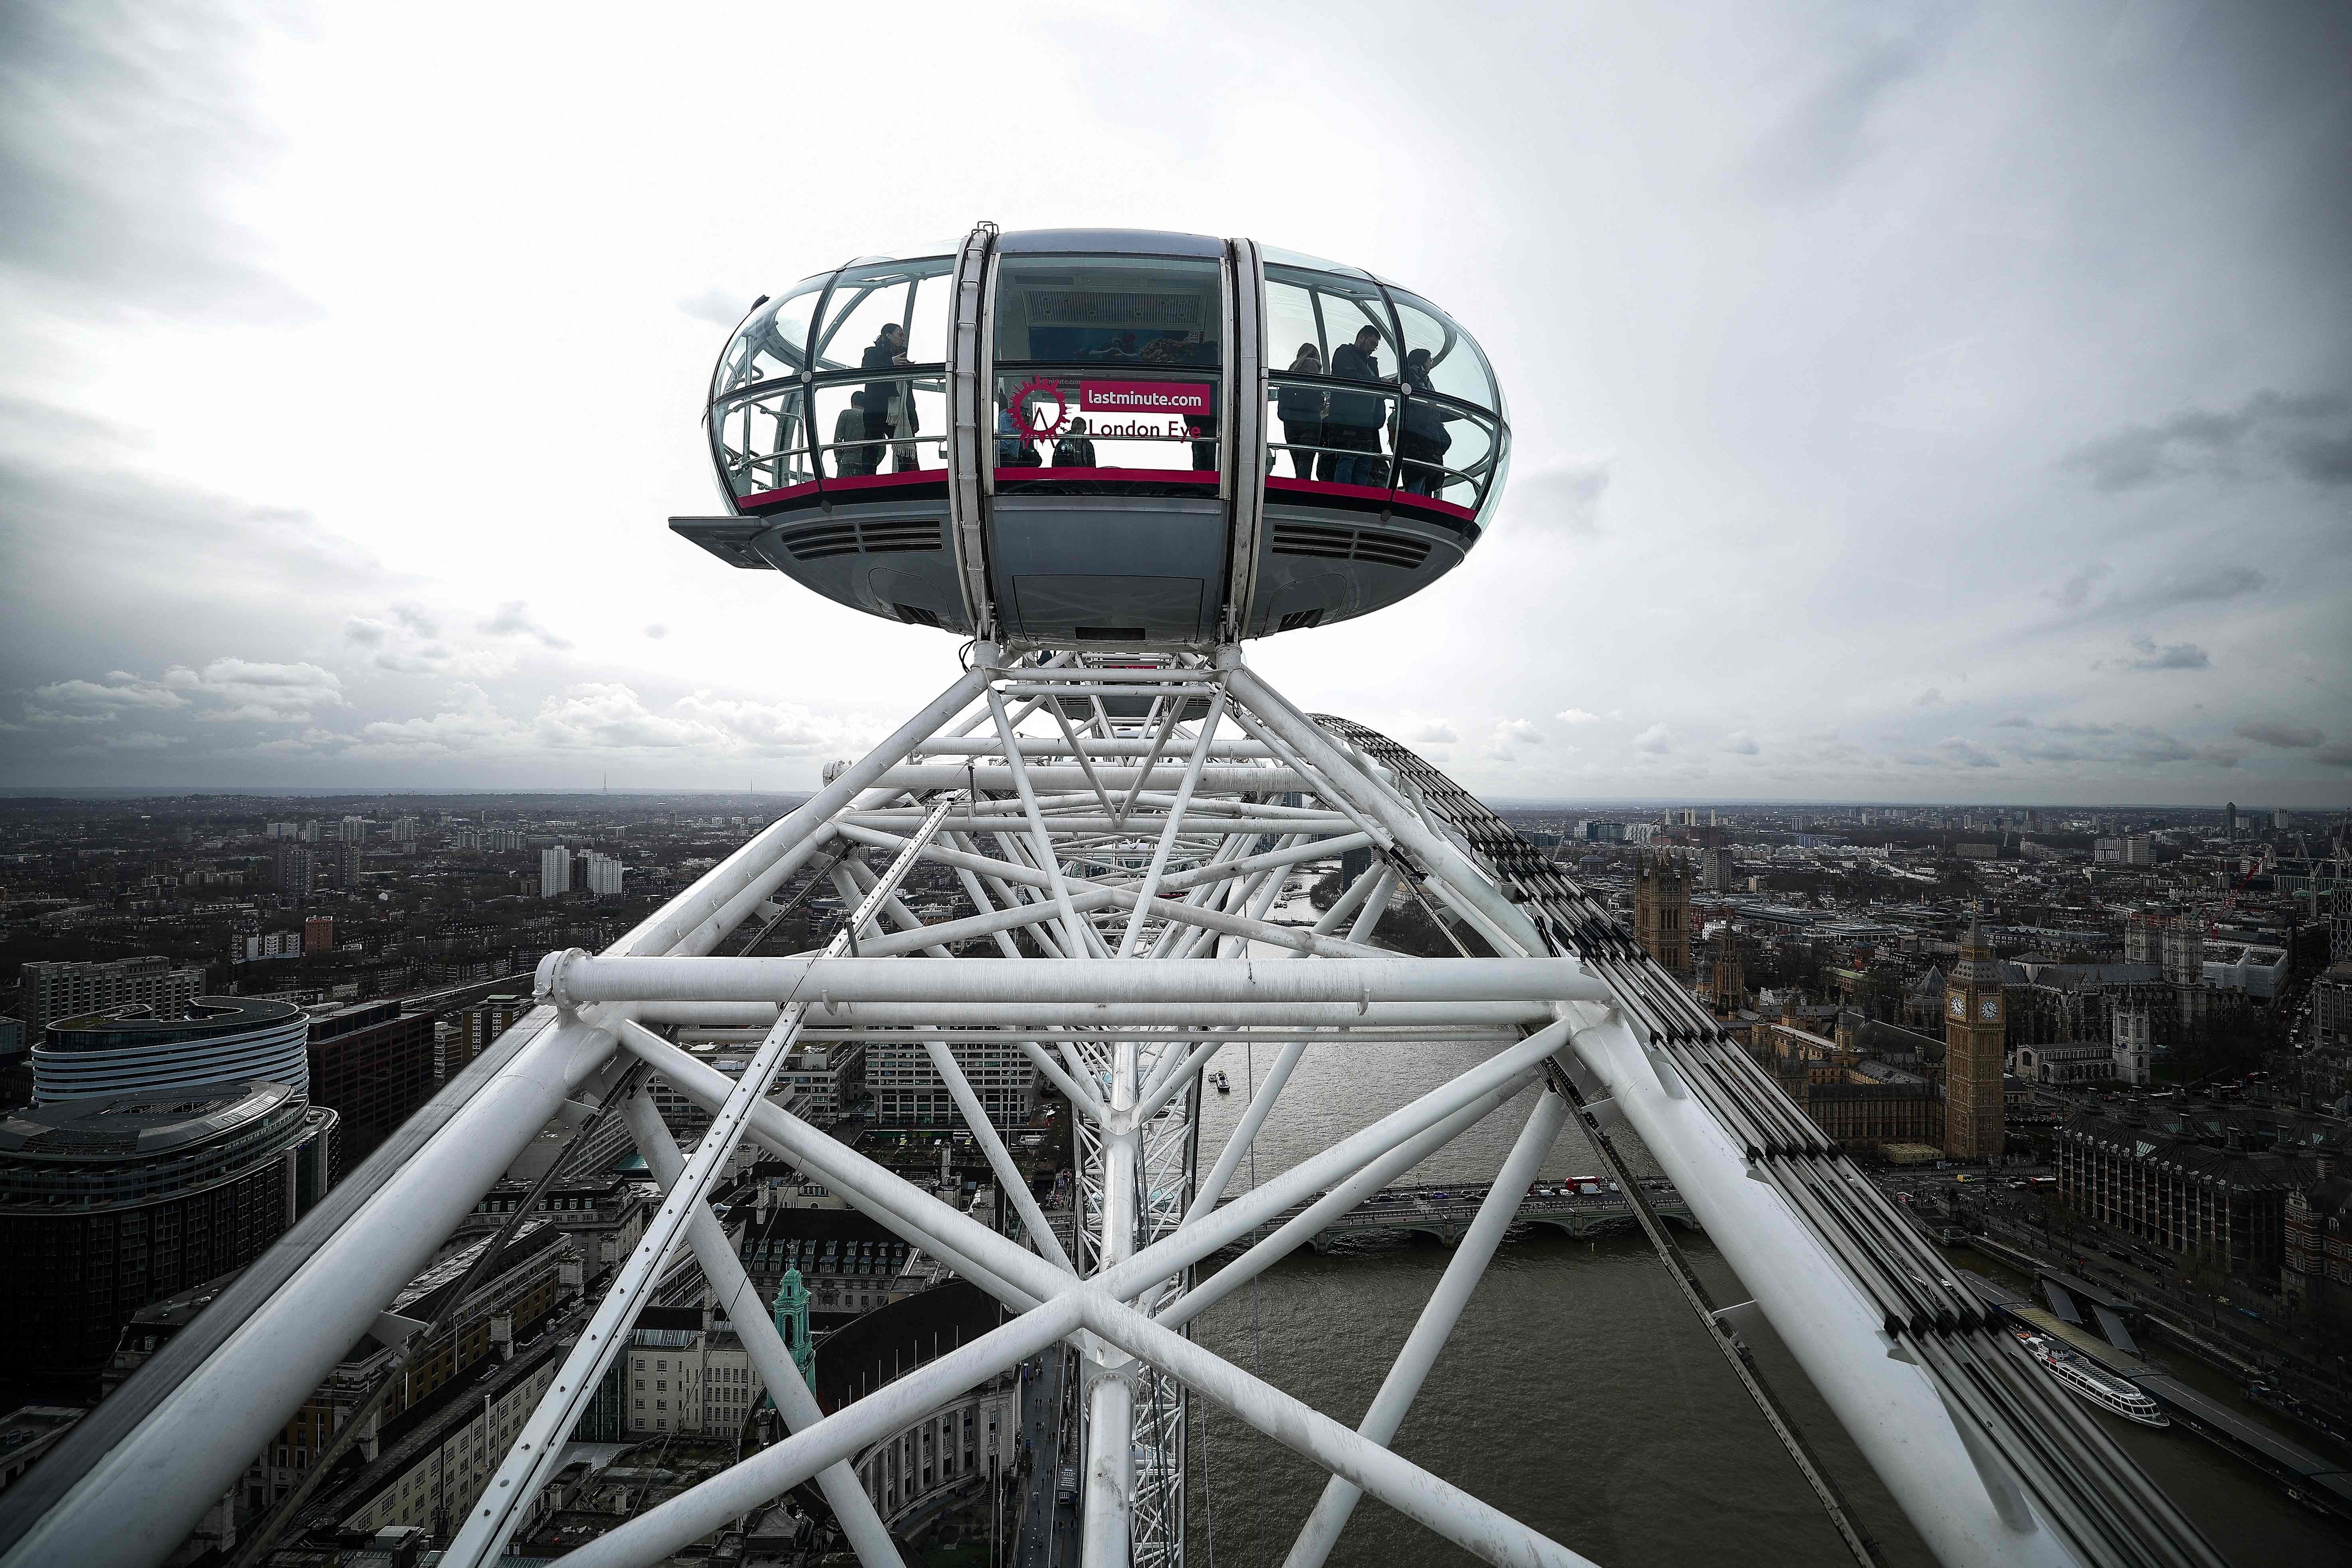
(359, 629)
(125, 132)
(2077, 588)
(2322, 460)
(514, 619)
(417, 619)
(1564, 499)
(2202, 586)
(121, 690)
(1657, 740)
(2336, 756)
(2052, 752)
(1742, 744)
(2072, 728)
(2272, 733)
(1827, 134)
(2267, 432)
(720, 307)
(657, 631)
(2171, 656)
(2014, 722)
(2149, 745)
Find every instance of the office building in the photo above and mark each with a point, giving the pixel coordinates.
(2316, 1266)
(847, 1263)
(110, 1203)
(822, 1081)
(908, 1090)
(144, 1050)
(2202, 1191)
(604, 876)
(603, 1214)
(373, 1064)
(687, 1372)
(479, 1025)
(53, 991)
(294, 869)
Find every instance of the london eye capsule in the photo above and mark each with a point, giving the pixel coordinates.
(1112, 437)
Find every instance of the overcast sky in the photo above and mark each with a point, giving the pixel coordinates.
(1945, 402)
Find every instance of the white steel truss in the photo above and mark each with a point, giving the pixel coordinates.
(1122, 828)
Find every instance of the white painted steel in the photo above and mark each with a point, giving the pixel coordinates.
(1023, 1279)
(141, 1502)
(1224, 778)
(1139, 836)
(513, 1488)
(731, 1288)
(1435, 1325)
(579, 978)
(1888, 1407)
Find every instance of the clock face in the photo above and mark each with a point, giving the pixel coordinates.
(1959, 1005)
(1989, 1009)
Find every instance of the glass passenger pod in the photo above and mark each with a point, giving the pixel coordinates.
(1386, 443)
(1106, 464)
(829, 419)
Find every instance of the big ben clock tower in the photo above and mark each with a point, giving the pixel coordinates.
(1973, 1027)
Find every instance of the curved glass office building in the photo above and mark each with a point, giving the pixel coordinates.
(212, 1039)
(115, 1201)
(1110, 436)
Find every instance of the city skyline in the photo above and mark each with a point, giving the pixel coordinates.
(1913, 406)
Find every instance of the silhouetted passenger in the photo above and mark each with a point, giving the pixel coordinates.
(1076, 450)
(1421, 438)
(887, 399)
(1300, 408)
(1352, 423)
(1203, 428)
(849, 447)
(1013, 449)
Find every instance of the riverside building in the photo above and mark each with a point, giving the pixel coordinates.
(110, 1203)
(148, 1048)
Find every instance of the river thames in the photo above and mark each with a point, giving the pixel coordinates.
(1578, 1394)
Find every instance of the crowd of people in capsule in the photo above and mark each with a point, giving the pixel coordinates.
(1333, 436)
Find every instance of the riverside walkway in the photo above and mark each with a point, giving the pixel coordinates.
(2319, 1482)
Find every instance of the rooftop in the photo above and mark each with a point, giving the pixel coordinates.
(112, 1126)
(204, 1018)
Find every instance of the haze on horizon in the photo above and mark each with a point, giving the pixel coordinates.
(1935, 403)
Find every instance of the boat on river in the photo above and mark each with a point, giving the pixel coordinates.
(2077, 1375)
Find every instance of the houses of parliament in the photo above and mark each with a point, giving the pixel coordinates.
(1875, 1086)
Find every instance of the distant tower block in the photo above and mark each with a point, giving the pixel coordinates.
(1661, 913)
(1973, 1026)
